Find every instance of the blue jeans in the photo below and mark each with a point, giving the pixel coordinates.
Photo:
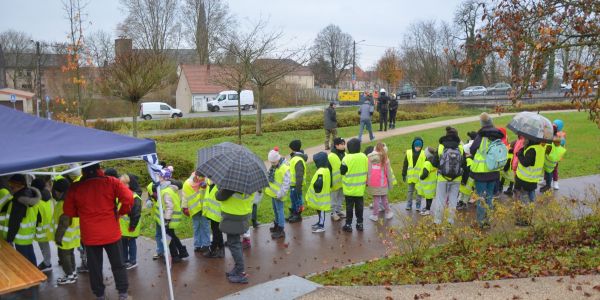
(28, 252)
(484, 189)
(530, 195)
(296, 196)
(129, 250)
(201, 230)
(160, 249)
(409, 197)
(365, 124)
(278, 212)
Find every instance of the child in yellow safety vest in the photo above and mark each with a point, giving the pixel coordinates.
(467, 183)
(130, 224)
(67, 236)
(44, 231)
(554, 153)
(427, 184)
(23, 216)
(318, 196)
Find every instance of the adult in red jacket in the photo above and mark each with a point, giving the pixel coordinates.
(94, 199)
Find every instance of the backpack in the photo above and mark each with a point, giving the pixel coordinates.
(496, 156)
(451, 163)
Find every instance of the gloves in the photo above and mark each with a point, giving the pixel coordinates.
(186, 211)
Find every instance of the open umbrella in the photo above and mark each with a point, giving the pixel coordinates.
(233, 167)
(532, 126)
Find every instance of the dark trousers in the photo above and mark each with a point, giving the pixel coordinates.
(383, 119)
(28, 252)
(129, 249)
(254, 212)
(114, 252)
(175, 246)
(235, 246)
(66, 259)
(354, 205)
(393, 117)
(217, 235)
(428, 204)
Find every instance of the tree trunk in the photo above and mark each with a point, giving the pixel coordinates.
(134, 117)
(260, 92)
(239, 107)
(550, 74)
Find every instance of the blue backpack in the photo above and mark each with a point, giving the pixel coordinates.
(496, 155)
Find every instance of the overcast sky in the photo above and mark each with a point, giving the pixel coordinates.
(380, 23)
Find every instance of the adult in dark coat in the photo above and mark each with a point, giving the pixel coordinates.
(393, 106)
(330, 125)
(382, 108)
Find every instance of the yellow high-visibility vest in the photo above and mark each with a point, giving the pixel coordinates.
(535, 173)
(413, 171)
(354, 183)
(322, 200)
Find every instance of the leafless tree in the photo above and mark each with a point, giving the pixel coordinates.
(205, 22)
(76, 51)
(152, 24)
(17, 44)
(133, 75)
(468, 18)
(101, 47)
(335, 47)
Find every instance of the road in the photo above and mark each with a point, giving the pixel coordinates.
(229, 113)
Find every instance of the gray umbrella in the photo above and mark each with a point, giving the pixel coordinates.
(532, 126)
(233, 167)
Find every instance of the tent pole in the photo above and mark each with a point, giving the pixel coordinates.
(164, 241)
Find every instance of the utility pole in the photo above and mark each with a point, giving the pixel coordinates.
(353, 63)
(38, 78)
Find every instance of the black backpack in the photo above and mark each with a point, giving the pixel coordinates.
(451, 163)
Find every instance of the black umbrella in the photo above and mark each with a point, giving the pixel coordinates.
(233, 167)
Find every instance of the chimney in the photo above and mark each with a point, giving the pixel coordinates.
(122, 46)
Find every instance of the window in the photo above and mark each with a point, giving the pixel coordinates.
(222, 97)
(164, 107)
(28, 72)
(232, 97)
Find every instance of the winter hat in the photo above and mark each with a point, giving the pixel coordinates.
(274, 155)
(338, 141)
(18, 178)
(485, 120)
(111, 172)
(418, 143)
(296, 145)
(559, 124)
(430, 152)
(451, 131)
(61, 185)
(167, 173)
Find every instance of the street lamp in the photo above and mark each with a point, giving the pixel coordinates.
(354, 62)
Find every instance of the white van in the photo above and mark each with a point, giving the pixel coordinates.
(229, 100)
(150, 110)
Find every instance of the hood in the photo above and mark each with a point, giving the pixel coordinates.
(491, 133)
(353, 146)
(30, 197)
(301, 154)
(413, 143)
(450, 141)
(374, 157)
(321, 160)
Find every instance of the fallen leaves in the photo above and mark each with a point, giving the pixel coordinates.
(486, 285)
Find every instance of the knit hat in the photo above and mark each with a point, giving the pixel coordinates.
(418, 143)
(296, 145)
(338, 141)
(485, 120)
(274, 155)
(61, 185)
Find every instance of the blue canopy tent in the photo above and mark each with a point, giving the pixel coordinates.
(31, 145)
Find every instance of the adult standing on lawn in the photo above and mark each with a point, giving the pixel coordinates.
(383, 107)
(297, 176)
(93, 200)
(485, 179)
(393, 110)
(365, 111)
(330, 125)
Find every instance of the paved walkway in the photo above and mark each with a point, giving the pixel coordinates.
(301, 253)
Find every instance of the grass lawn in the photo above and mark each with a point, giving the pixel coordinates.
(582, 136)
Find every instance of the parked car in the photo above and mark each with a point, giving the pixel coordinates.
(406, 92)
(500, 88)
(443, 91)
(476, 90)
(229, 100)
(151, 110)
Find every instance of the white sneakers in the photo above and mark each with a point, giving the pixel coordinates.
(425, 213)
(375, 218)
(555, 183)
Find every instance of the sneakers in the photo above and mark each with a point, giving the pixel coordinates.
(157, 256)
(318, 229)
(295, 218)
(274, 228)
(246, 244)
(347, 228)
(409, 208)
(124, 296)
(359, 227)
(373, 218)
(217, 252)
(82, 269)
(44, 267)
(279, 234)
(425, 212)
(68, 279)
(389, 215)
(556, 187)
(313, 226)
(130, 266)
(461, 205)
(201, 249)
(418, 209)
(335, 217)
(238, 278)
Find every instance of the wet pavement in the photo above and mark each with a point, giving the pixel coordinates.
(301, 253)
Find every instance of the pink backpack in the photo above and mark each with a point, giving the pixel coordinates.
(378, 176)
